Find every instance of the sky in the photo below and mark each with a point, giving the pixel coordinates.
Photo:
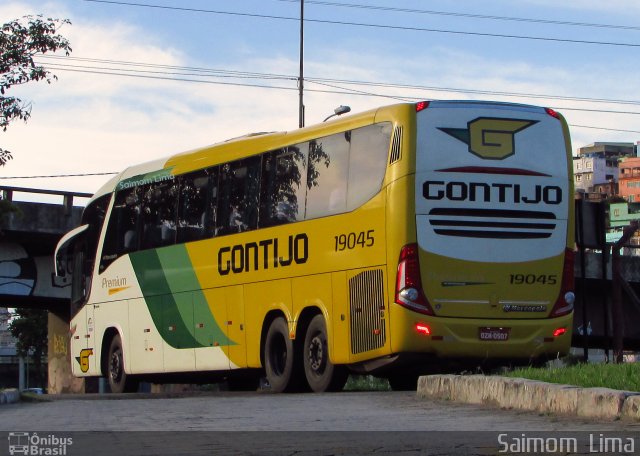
(150, 78)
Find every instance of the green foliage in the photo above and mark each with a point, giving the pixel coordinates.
(5, 156)
(6, 208)
(21, 40)
(625, 377)
(366, 383)
(29, 327)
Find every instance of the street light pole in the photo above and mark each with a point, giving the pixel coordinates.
(301, 78)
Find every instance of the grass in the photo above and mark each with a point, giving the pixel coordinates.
(624, 376)
(366, 383)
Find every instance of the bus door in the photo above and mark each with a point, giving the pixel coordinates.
(87, 356)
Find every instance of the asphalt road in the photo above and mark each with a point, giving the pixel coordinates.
(262, 423)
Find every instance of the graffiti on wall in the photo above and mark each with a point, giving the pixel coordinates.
(24, 275)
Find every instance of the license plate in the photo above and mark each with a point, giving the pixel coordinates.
(494, 334)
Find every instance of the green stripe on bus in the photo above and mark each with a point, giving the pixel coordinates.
(166, 310)
(180, 276)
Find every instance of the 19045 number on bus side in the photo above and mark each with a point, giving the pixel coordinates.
(351, 241)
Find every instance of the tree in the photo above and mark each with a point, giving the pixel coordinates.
(29, 327)
(6, 208)
(21, 40)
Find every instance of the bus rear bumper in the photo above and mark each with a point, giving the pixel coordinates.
(481, 339)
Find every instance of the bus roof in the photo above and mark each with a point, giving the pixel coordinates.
(227, 150)
(255, 143)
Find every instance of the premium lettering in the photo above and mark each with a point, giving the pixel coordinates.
(117, 282)
(484, 192)
(265, 254)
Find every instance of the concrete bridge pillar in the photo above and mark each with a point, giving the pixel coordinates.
(60, 378)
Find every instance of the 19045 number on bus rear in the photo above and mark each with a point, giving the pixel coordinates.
(533, 279)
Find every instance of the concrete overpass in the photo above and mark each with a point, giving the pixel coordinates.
(28, 238)
(27, 241)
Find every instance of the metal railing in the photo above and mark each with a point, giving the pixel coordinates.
(7, 193)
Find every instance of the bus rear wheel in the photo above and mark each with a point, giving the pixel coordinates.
(321, 374)
(281, 364)
(119, 380)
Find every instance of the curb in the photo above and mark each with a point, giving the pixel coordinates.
(532, 395)
(9, 396)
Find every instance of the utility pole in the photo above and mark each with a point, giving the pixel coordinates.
(301, 77)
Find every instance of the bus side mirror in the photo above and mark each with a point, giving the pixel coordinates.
(62, 266)
(60, 281)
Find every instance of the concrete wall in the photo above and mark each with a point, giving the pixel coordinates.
(60, 378)
(43, 218)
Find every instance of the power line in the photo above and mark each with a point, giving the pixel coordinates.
(379, 26)
(58, 175)
(202, 70)
(210, 72)
(466, 15)
(113, 173)
(348, 91)
(168, 78)
(603, 128)
(483, 92)
(560, 108)
(340, 91)
(58, 66)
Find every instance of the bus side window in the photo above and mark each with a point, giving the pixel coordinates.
(196, 212)
(327, 175)
(367, 162)
(123, 228)
(159, 214)
(239, 188)
(283, 189)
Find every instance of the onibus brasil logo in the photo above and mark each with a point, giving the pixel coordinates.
(29, 443)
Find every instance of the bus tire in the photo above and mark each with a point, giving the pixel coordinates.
(322, 375)
(280, 363)
(119, 380)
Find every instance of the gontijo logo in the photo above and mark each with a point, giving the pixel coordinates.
(83, 359)
(490, 138)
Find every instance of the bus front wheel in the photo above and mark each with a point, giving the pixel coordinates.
(322, 375)
(281, 363)
(119, 380)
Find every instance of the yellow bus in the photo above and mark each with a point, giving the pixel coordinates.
(400, 241)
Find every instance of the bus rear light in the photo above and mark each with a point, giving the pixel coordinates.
(422, 105)
(559, 332)
(552, 113)
(566, 297)
(409, 292)
(423, 329)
